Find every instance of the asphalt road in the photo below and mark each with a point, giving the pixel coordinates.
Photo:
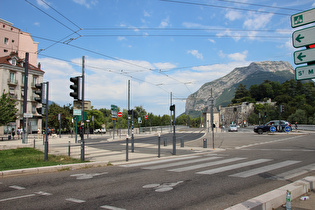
(249, 165)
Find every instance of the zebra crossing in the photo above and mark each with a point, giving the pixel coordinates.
(218, 164)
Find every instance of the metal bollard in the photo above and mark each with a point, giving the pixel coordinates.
(34, 143)
(159, 146)
(165, 142)
(181, 142)
(204, 143)
(69, 149)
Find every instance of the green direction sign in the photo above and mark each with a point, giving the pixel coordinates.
(113, 109)
(304, 56)
(303, 18)
(305, 72)
(303, 37)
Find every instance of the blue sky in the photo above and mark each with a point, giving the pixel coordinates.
(160, 46)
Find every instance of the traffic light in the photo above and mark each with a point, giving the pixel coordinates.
(74, 87)
(172, 107)
(281, 108)
(265, 114)
(39, 92)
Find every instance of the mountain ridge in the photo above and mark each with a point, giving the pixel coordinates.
(223, 89)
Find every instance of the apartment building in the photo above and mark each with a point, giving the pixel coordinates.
(14, 40)
(13, 46)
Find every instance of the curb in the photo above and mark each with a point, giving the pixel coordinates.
(277, 197)
(47, 169)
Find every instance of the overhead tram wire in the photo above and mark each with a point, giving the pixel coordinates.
(51, 16)
(224, 7)
(260, 5)
(61, 15)
(109, 71)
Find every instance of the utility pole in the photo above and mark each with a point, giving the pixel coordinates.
(24, 136)
(171, 113)
(46, 124)
(82, 113)
(211, 118)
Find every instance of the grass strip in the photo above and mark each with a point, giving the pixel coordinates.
(29, 158)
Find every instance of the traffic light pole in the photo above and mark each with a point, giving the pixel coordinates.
(46, 124)
(24, 134)
(82, 112)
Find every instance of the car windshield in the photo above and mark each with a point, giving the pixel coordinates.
(233, 125)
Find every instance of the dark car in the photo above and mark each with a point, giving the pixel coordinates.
(266, 128)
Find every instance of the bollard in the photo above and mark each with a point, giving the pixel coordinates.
(204, 143)
(181, 142)
(34, 143)
(127, 142)
(159, 145)
(165, 142)
(69, 149)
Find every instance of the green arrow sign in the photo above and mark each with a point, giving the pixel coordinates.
(304, 56)
(304, 37)
(303, 18)
(305, 72)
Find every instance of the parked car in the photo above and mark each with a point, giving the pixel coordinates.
(266, 128)
(100, 130)
(233, 128)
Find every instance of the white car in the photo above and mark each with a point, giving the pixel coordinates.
(102, 130)
(233, 128)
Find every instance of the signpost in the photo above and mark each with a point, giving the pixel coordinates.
(304, 38)
(303, 18)
(305, 72)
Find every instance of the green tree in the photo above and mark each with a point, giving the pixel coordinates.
(299, 116)
(7, 109)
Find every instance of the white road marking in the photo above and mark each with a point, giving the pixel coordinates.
(205, 165)
(43, 193)
(75, 200)
(180, 163)
(17, 187)
(111, 207)
(235, 166)
(265, 169)
(159, 161)
(17, 197)
(294, 173)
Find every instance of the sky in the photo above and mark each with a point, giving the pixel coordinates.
(164, 47)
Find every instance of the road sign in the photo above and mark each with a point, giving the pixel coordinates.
(305, 72)
(287, 129)
(119, 114)
(272, 128)
(113, 111)
(77, 111)
(303, 18)
(139, 120)
(303, 37)
(27, 115)
(304, 56)
(146, 117)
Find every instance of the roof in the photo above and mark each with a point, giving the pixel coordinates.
(6, 60)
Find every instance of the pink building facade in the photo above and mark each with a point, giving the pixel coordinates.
(14, 40)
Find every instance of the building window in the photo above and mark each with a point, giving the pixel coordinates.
(33, 109)
(34, 80)
(11, 91)
(12, 77)
(6, 40)
(5, 51)
(23, 79)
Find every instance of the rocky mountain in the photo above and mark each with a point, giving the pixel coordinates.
(223, 89)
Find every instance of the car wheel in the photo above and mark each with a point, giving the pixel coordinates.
(260, 131)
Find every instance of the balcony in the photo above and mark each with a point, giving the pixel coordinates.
(12, 82)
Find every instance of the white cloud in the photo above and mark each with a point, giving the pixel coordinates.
(195, 53)
(211, 40)
(238, 57)
(146, 14)
(257, 21)
(233, 15)
(165, 22)
(121, 38)
(228, 33)
(86, 3)
(42, 4)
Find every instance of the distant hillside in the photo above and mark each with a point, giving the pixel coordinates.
(223, 89)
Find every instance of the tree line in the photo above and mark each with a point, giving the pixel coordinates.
(296, 97)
